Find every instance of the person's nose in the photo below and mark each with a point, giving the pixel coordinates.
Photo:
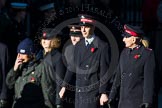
(124, 39)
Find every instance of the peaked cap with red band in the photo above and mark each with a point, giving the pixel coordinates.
(130, 30)
(86, 20)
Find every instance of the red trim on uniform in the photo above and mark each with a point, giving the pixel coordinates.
(86, 20)
(132, 33)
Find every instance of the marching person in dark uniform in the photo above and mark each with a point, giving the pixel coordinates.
(50, 42)
(5, 21)
(47, 16)
(75, 37)
(91, 64)
(13, 27)
(135, 72)
(44, 18)
(4, 67)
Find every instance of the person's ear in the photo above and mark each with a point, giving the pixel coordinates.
(133, 39)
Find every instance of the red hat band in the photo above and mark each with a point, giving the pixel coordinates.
(86, 20)
(132, 33)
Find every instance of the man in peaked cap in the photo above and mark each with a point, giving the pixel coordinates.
(16, 31)
(48, 9)
(68, 58)
(91, 60)
(75, 33)
(19, 10)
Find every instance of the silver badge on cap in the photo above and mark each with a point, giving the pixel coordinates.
(22, 51)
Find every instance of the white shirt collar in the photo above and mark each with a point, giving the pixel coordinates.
(89, 40)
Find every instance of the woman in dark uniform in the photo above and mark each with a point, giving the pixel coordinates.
(135, 72)
(50, 42)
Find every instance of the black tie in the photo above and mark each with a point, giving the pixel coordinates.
(87, 43)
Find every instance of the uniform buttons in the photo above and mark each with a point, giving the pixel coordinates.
(130, 74)
(87, 66)
(79, 90)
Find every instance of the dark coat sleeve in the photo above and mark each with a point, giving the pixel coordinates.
(104, 64)
(70, 65)
(4, 69)
(60, 73)
(11, 78)
(116, 84)
(149, 70)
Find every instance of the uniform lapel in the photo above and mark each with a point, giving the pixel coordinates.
(88, 52)
(132, 60)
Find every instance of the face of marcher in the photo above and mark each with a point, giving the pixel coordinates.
(87, 31)
(75, 39)
(129, 42)
(23, 57)
(46, 44)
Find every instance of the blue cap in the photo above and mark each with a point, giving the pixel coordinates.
(19, 5)
(26, 46)
(47, 7)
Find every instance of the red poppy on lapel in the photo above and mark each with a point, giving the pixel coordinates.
(92, 50)
(137, 56)
(32, 79)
